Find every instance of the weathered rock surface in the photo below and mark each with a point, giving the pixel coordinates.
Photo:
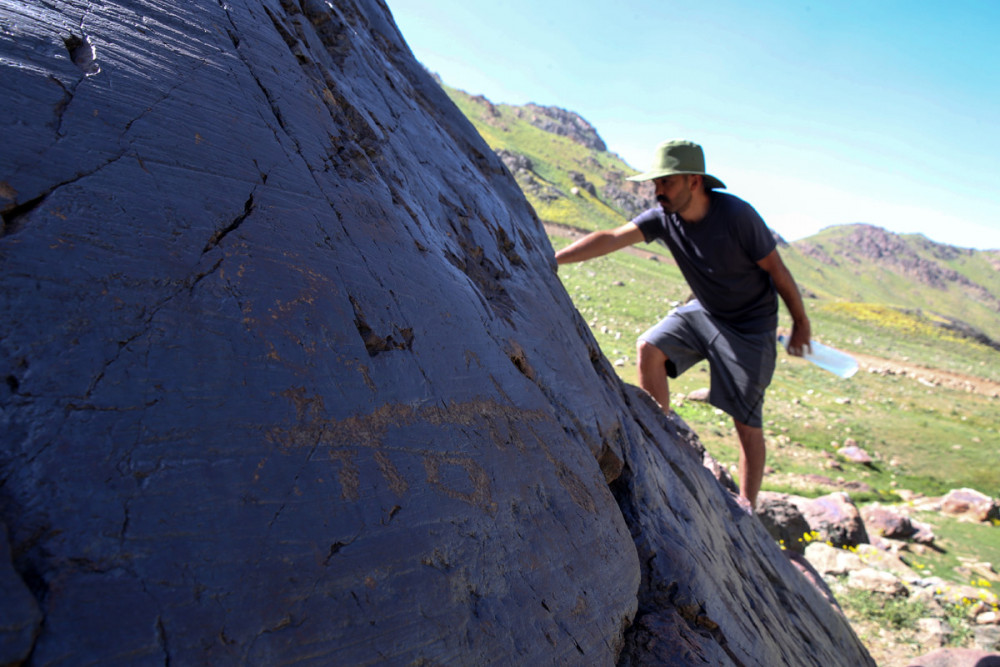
(887, 522)
(855, 454)
(971, 504)
(877, 581)
(783, 520)
(19, 614)
(831, 560)
(289, 376)
(957, 657)
(564, 123)
(835, 517)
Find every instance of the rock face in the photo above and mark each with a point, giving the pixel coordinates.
(564, 123)
(836, 518)
(289, 376)
(783, 520)
(971, 504)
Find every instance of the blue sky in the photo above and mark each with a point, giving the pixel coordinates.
(818, 114)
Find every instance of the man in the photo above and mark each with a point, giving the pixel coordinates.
(731, 263)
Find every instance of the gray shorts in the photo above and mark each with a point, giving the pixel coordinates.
(741, 364)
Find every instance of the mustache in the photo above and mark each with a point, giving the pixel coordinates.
(661, 199)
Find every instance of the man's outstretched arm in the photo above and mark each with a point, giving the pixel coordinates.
(789, 291)
(599, 243)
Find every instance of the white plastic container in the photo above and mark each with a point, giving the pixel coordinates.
(839, 363)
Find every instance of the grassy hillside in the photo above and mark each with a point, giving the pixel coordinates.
(865, 264)
(898, 298)
(552, 158)
(861, 276)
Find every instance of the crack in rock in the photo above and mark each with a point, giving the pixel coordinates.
(231, 227)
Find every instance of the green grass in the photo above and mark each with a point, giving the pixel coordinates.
(901, 335)
(552, 157)
(895, 613)
(957, 540)
(826, 265)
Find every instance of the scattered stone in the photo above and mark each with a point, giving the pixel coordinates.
(719, 472)
(888, 545)
(836, 518)
(933, 632)
(832, 561)
(582, 183)
(877, 581)
(515, 162)
(700, 395)
(782, 519)
(926, 504)
(855, 454)
(961, 594)
(923, 533)
(924, 591)
(819, 480)
(988, 618)
(987, 638)
(563, 123)
(875, 557)
(957, 657)
(971, 504)
(856, 486)
(887, 522)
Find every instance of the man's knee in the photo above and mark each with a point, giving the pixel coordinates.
(649, 354)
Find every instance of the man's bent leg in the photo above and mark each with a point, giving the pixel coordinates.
(653, 373)
(753, 452)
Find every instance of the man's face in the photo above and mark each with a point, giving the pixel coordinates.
(673, 192)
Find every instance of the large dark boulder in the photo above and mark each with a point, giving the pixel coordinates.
(289, 376)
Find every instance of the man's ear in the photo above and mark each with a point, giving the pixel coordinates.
(696, 182)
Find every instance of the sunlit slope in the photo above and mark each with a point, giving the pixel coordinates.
(956, 287)
(868, 288)
(548, 162)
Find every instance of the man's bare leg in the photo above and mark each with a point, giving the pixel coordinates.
(653, 373)
(753, 452)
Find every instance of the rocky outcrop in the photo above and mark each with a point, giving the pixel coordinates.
(972, 504)
(783, 520)
(289, 376)
(835, 518)
(516, 162)
(629, 197)
(563, 123)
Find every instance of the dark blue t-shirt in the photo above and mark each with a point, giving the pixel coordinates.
(718, 256)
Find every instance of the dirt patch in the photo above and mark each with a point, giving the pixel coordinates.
(929, 376)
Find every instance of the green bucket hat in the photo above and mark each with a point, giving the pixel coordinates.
(678, 156)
